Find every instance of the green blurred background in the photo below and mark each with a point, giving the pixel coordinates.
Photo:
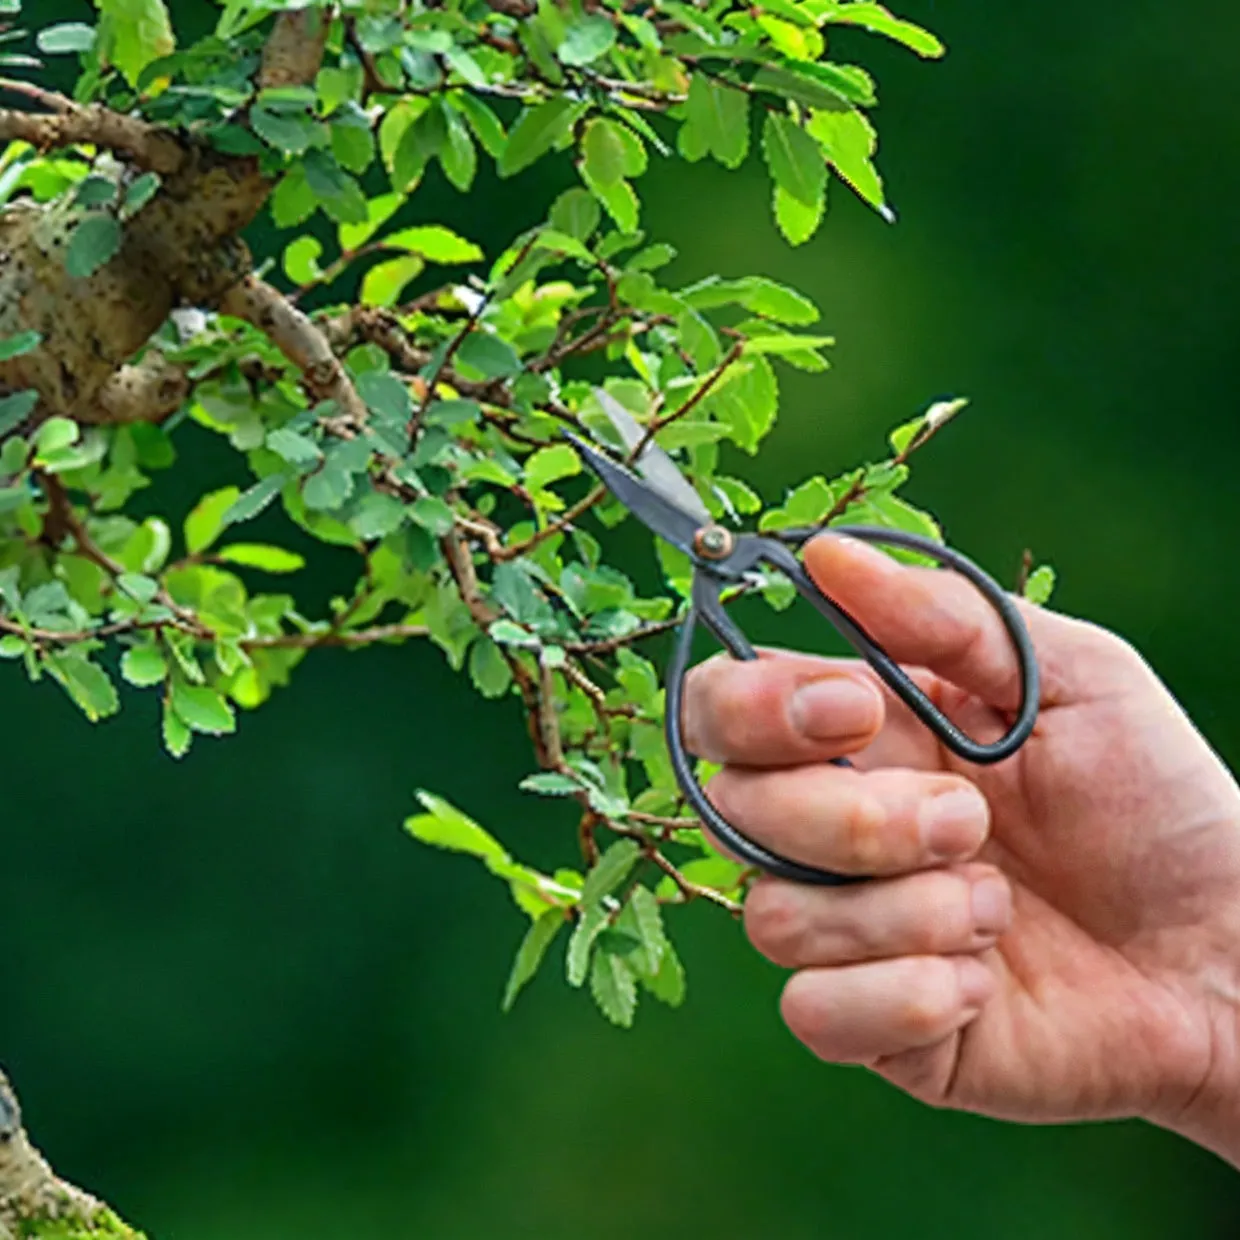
(243, 1006)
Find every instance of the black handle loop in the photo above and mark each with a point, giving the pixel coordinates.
(705, 608)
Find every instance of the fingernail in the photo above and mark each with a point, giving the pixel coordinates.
(977, 982)
(953, 824)
(992, 906)
(839, 706)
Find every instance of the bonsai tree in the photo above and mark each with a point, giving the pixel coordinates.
(400, 393)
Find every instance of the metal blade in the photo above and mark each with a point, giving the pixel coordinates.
(654, 464)
(669, 521)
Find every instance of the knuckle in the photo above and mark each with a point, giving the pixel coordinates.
(775, 923)
(863, 842)
(944, 913)
(928, 998)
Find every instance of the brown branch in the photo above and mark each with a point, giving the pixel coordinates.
(30, 1191)
(299, 339)
(611, 644)
(151, 391)
(144, 145)
(293, 53)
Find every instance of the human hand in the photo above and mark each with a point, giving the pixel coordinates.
(1053, 938)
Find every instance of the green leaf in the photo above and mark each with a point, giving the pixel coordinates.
(575, 213)
(550, 783)
(144, 666)
(327, 489)
(668, 985)
(798, 221)
(549, 465)
(807, 505)
(433, 515)
(301, 260)
(849, 141)
(611, 152)
(384, 282)
(86, 683)
(334, 189)
(138, 193)
(587, 39)
(622, 204)
(536, 131)
(94, 243)
(55, 435)
(611, 869)
(177, 736)
(250, 503)
(201, 709)
(445, 826)
(436, 243)
(643, 915)
(493, 357)
(208, 517)
(1041, 585)
(22, 343)
(15, 409)
(538, 938)
(716, 123)
(794, 159)
(133, 33)
(377, 515)
(614, 988)
(488, 668)
(485, 124)
(385, 395)
(66, 38)
(261, 556)
(289, 132)
(294, 447)
(875, 18)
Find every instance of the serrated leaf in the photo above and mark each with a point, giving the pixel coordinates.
(1041, 585)
(848, 140)
(176, 735)
(250, 503)
(877, 19)
(536, 131)
(144, 666)
(668, 984)
(261, 556)
(67, 37)
(610, 871)
(797, 220)
(611, 152)
(622, 204)
(795, 160)
(433, 515)
(294, 447)
(538, 938)
(134, 33)
(201, 709)
(488, 668)
(301, 260)
(445, 826)
(614, 988)
(716, 122)
(208, 518)
(646, 918)
(384, 282)
(86, 683)
(493, 357)
(436, 243)
(22, 343)
(550, 783)
(94, 243)
(549, 465)
(327, 490)
(586, 39)
(575, 213)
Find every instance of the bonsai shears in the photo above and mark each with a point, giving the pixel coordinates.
(664, 500)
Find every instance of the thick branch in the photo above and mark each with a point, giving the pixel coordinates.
(294, 49)
(151, 391)
(30, 1192)
(299, 339)
(144, 145)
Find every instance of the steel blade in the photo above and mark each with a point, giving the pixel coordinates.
(654, 464)
(669, 521)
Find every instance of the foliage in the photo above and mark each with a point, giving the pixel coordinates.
(474, 525)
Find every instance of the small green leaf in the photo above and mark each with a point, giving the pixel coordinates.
(433, 515)
(94, 243)
(614, 988)
(55, 435)
(668, 985)
(1041, 585)
(177, 736)
(140, 192)
(445, 826)
(493, 357)
(15, 409)
(488, 668)
(86, 683)
(587, 39)
(250, 503)
(208, 517)
(384, 282)
(436, 243)
(797, 220)
(610, 871)
(144, 666)
(549, 465)
(575, 213)
(875, 18)
(716, 122)
(201, 709)
(66, 38)
(294, 447)
(795, 160)
(261, 556)
(22, 343)
(536, 131)
(538, 938)
(550, 783)
(301, 260)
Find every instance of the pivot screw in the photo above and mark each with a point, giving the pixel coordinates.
(713, 542)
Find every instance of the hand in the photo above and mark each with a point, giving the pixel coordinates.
(1053, 938)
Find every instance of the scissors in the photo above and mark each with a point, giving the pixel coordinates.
(664, 500)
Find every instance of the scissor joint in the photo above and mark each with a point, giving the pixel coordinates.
(713, 542)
